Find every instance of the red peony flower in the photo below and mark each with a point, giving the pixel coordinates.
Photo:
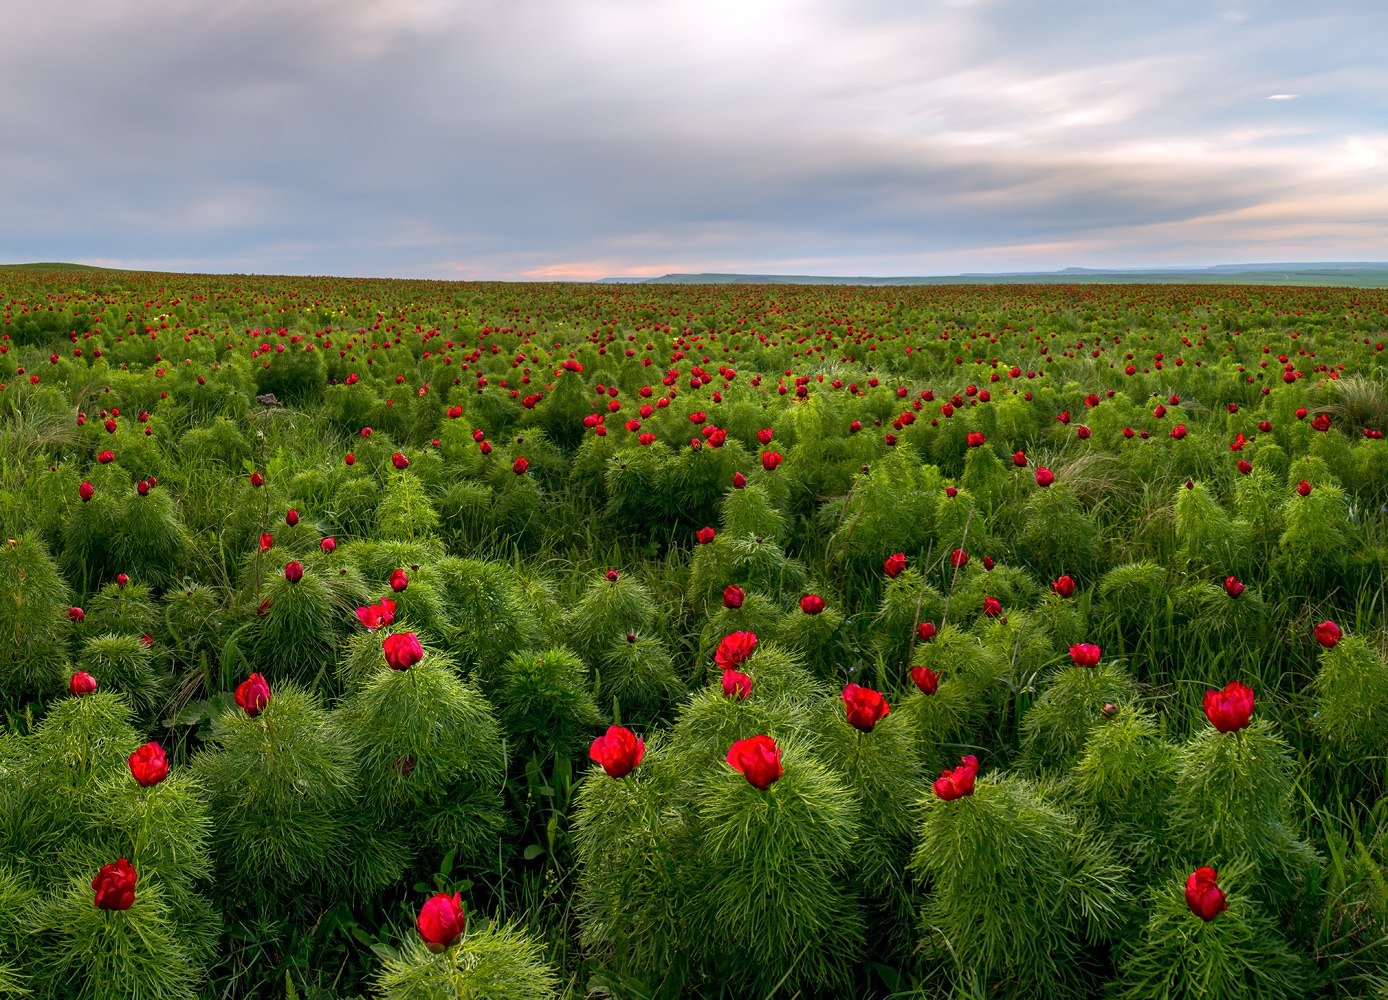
(739, 480)
(619, 750)
(975, 439)
(1203, 896)
(758, 759)
(1085, 654)
(992, 607)
(705, 535)
(293, 571)
(519, 465)
(85, 491)
(925, 679)
(253, 694)
(148, 765)
(1231, 708)
(115, 886)
(959, 558)
(328, 545)
(926, 631)
(82, 683)
(122, 579)
(373, 616)
(1233, 586)
(105, 458)
(733, 597)
(266, 541)
(812, 604)
(896, 562)
(864, 707)
(291, 517)
(1063, 586)
(75, 614)
(398, 580)
(1244, 466)
(440, 922)
(770, 459)
(402, 650)
(1303, 488)
(1328, 634)
(256, 479)
(399, 461)
(953, 784)
(1321, 422)
(735, 649)
(1019, 458)
(764, 436)
(1044, 477)
(736, 685)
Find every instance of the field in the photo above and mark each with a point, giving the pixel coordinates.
(425, 639)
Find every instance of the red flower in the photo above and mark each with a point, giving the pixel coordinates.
(291, 517)
(705, 535)
(1064, 586)
(612, 576)
(402, 650)
(1019, 458)
(992, 607)
(373, 616)
(76, 614)
(122, 579)
(328, 545)
(1233, 586)
(735, 649)
(764, 435)
(618, 751)
(959, 558)
(253, 694)
(266, 541)
(770, 459)
(1321, 422)
(1203, 896)
(115, 886)
(739, 480)
(1082, 432)
(399, 461)
(925, 679)
(812, 604)
(1231, 708)
(1245, 466)
(736, 685)
(1085, 654)
(440, 922)
(732, 597)
(519, 465)
(398, 580)
(105, 458)
(349, 458)
(896, 562)
(1178, 432)
(148, 765)
(988, 563)
(82, 683)
(85, 491)
(293, 571)
(758, 759)
(926, 631)
(953, 784)
(975, 439)
(1044, 477)
(1303, 488)
(256, 479)
(864, 706)
(1328, 634)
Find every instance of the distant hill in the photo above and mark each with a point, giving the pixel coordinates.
(1362, 274)
(52, 266)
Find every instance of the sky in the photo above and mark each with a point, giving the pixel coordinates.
(581, 139)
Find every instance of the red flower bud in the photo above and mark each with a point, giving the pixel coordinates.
(739, 480)
(926, 631)
(613, 576)
(770, 459)
(519, 465)
(122, 579)
(105, 458)
(293, 571)
(328, 545)
(1231, 708)
(758, 759)
(398, 580)
(619, 750)
(896, 562)
(1019, 458)
(75, 614)
(975, 439)
(1044, 477)
(85, 491)
(402, 650)
(864, 707)
(735, 649)
(736, 685)
(1233, 586)
(1303, 488)
(349, 459)
(399, 461)
(115, 886)
(291, 517)
(1085, 654)
(732, 597)
(959, 558)
(256, 479)
(925, 679)
(253, 694)
(992, 607)
(953, 784)
(440, 922)
(1328, 634)
(148, 765)
(1064, 586)
(812, 604)
(82, 683)
(1203, 896)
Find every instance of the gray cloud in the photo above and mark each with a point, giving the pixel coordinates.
(530, 138)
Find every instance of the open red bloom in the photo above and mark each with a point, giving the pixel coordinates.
(864, 707)
(736, 685)
(975, 439)
(926, 631)
(896, 562)
(705, 535)
(618, 750)
(1063, 586)
(253, 694)
(992, 607)
(399, 461)
(115, 886)
(1233, 586)
(953, 784)
(1203, 896)
(758, 759)
(734, 650)
(402, 650)
(373, 616)
(82, 683)
(770, 459)
(925, 679)
(1231, 708)
(1328, 634)
(1085, 654)
(148, 765)
(732, 597)
(440, 922)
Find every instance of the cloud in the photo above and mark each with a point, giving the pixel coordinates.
(527, 139)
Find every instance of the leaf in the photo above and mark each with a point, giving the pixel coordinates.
(533, 851)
